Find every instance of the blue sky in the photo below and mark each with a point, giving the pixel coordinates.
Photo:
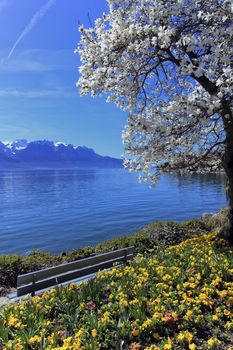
(38, 96)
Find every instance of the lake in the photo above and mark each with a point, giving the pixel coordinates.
(58, 210)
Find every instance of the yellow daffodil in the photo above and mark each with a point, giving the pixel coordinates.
(94, 333)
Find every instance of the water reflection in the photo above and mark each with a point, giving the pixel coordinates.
(198, 179)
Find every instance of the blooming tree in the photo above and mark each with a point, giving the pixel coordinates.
(169, 64)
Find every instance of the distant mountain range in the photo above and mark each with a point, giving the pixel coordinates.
(44, 153)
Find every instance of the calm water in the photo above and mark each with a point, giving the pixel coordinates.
(57, 210)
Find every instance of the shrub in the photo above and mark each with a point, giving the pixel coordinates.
(10, 267)
(218, 219)
(167, 233)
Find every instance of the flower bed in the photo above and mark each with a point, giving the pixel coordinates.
(177, 299)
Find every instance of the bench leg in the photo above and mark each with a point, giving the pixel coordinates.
(33, 285)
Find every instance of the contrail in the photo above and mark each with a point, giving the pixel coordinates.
(37, 16)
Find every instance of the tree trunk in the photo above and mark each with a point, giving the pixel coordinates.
(228, 166)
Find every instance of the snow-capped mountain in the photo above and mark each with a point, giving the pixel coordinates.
(16, 145)
(46, 153)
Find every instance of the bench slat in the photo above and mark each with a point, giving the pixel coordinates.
(70, 276)
(79, 264)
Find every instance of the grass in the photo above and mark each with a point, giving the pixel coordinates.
(180, 297)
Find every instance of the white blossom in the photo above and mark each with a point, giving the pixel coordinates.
(169, 64)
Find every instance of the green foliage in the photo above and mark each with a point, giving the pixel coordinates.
(80, 253)
(10, 267)
(140, 240)
(14, 264)
(167, 233)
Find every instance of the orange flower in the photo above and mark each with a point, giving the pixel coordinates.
(169, 319)
(135, 332)
(135, 346)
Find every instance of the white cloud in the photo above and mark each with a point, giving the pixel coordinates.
(39, 61)
(36, 93)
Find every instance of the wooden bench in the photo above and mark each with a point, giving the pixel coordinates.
(52, 276)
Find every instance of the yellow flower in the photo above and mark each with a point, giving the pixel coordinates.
(192, 346)
(13, 322)
(222, 293)
(52, 339)
(79, 333)
(147, 323)
(203, 296)
(53, 292)
(174, 314)
(67, 341)
(77, 345)
(18, 346)
(180, 337)
(216, 281)
(186, 335)
(106, 318)
(229, 325)
(167, 346)
(72, 286)
(94, 333)
(37, 299)
(34, 340)
(134, 302)
(213, 343)
(226, 312)
(123, 303)
(166, 277)
(214, 317)
(157, 316)
(189, 314)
